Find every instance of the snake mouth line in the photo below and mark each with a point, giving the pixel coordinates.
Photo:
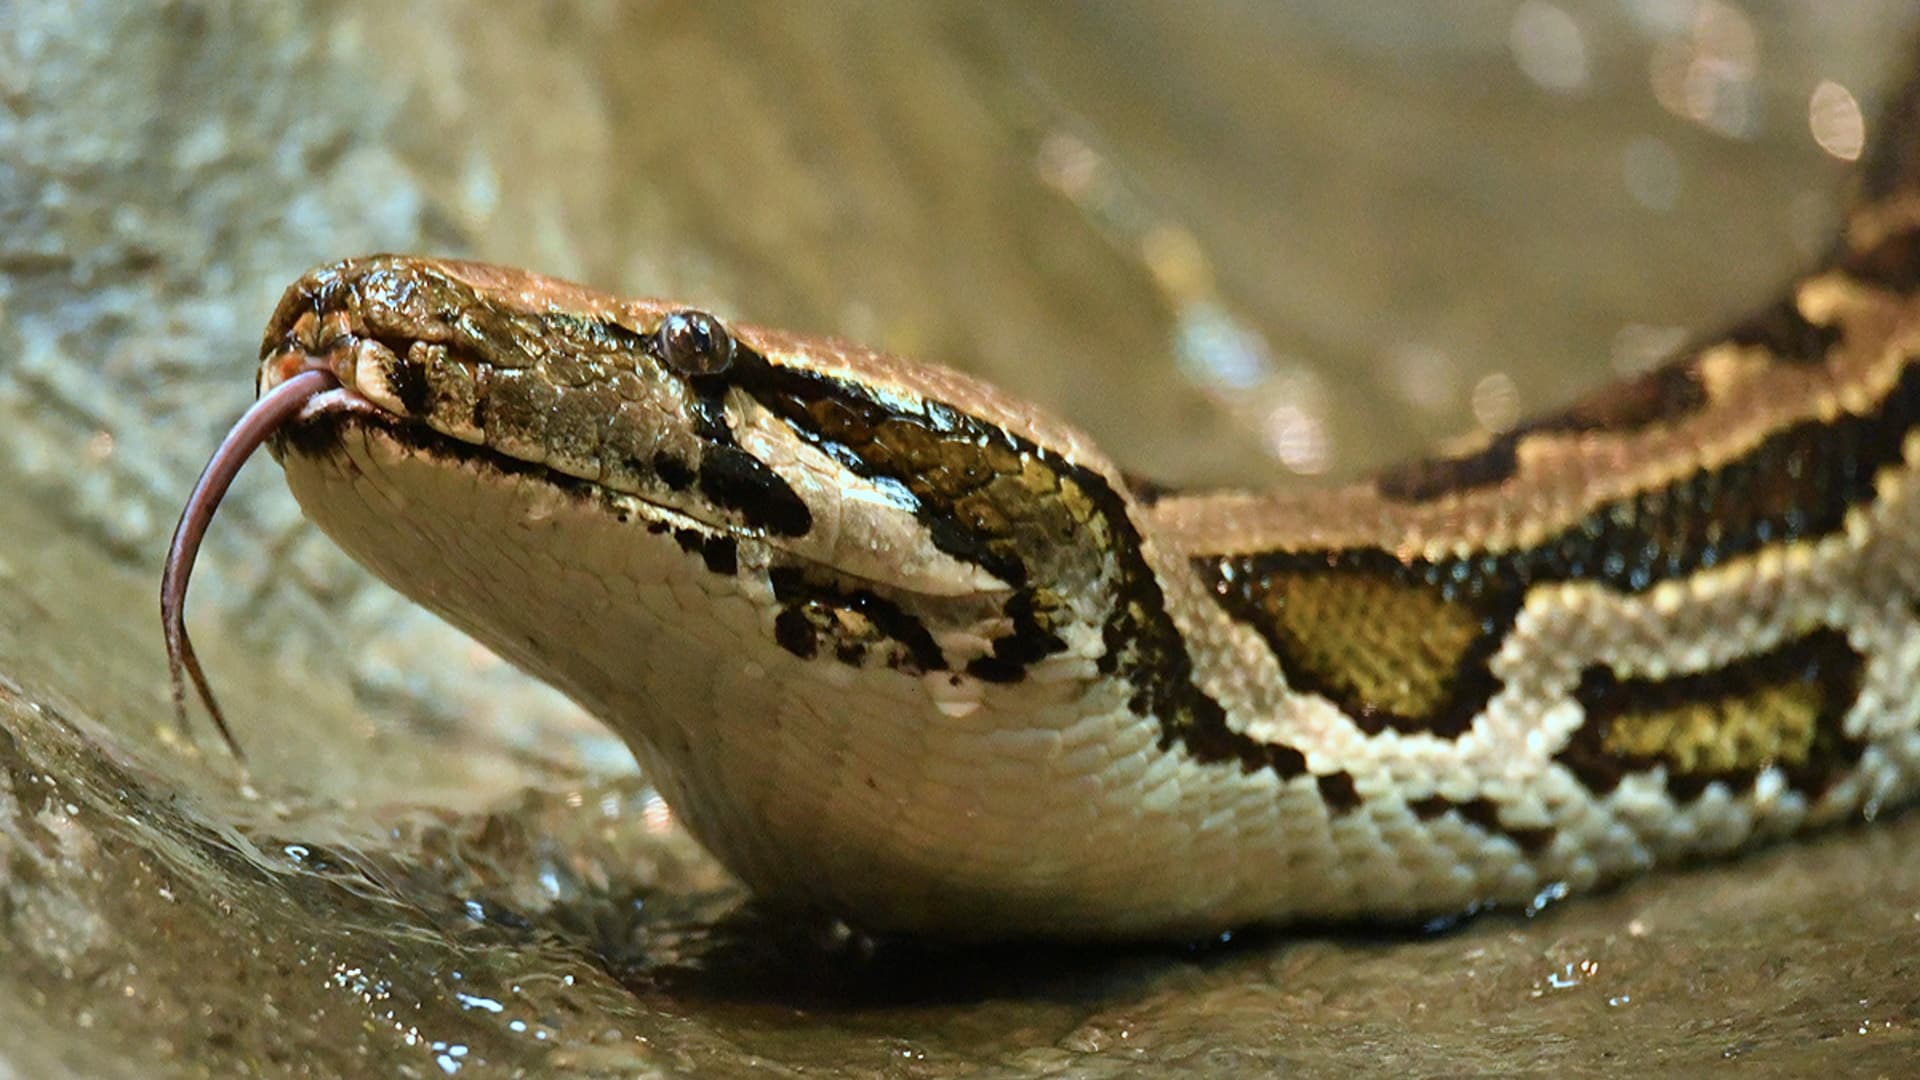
(318, 428)
(443, 397)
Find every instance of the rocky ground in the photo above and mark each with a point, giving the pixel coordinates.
(1237, 247)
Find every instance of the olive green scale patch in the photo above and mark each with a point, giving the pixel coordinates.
(1783, 709)
(1392, 650)
(1390, 646)
(1771, 724)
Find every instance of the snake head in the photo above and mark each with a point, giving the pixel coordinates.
(848, 460)
(775, 564)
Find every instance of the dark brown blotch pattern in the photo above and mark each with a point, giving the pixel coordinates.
(720, 553)
(1035, 521)
(1797, 484)
(735, 480)
(672, 471)
(408, 379)
(1663, 396)
(1338, 792)
(1785, 333)
(859, 625)
(1484, 814)
(1031, 612)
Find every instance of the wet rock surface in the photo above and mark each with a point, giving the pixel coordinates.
(429, 868)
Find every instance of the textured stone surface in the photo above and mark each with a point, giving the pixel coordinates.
(1062, 197)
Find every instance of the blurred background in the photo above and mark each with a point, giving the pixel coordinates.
(1240, 243)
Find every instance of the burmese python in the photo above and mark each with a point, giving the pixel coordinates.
(899, 646)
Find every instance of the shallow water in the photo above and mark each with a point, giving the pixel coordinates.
(159, 914)
(1380, 216)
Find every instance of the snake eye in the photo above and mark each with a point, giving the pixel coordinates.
(695, 343)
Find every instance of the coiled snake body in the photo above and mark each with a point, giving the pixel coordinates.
(898, 646)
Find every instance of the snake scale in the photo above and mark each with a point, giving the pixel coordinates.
(901, 647)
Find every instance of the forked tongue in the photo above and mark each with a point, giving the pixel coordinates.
(255, 426)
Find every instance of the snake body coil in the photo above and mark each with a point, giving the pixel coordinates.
(898, 646)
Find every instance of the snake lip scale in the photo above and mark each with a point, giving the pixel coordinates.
(898, 646)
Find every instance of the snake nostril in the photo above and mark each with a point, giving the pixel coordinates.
(694, 343)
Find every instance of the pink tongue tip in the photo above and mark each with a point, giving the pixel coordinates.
(255, 426)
